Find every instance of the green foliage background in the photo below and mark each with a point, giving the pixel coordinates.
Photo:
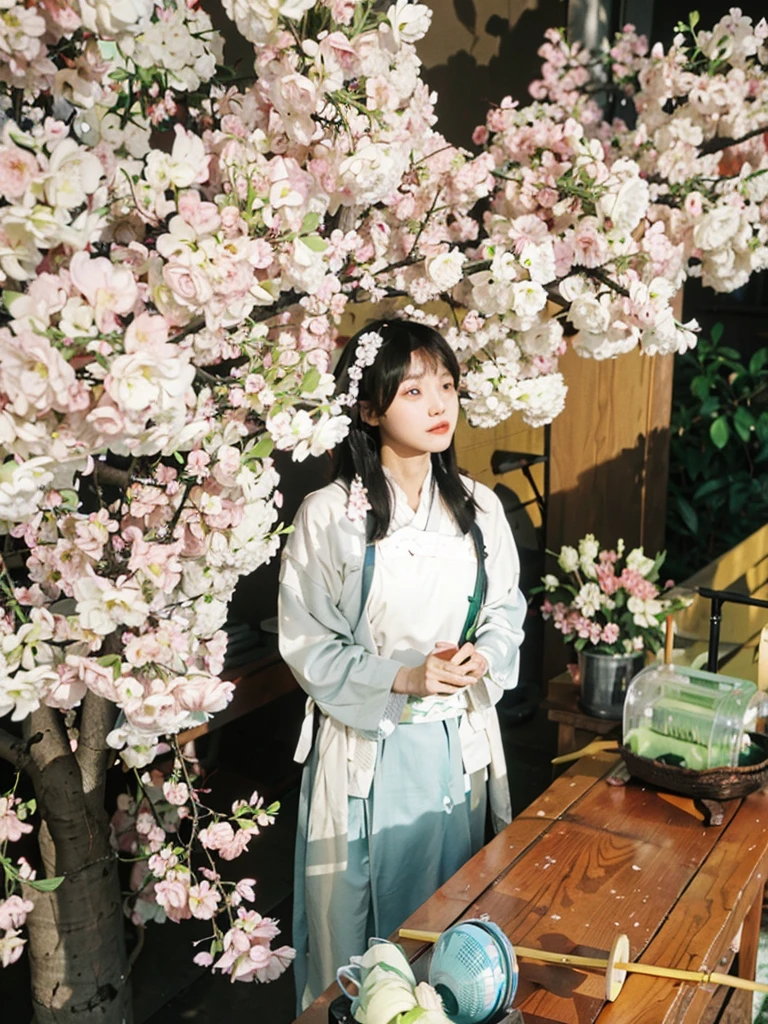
(718, 473)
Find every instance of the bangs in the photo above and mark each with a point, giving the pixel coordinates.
(404, 342)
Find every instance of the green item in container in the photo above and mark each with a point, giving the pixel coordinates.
(696, 718)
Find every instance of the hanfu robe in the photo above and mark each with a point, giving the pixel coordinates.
(393, 795)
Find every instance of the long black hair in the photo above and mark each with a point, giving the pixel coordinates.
(359, 454)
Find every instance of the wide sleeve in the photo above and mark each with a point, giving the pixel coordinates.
(347, 681)
(500, 626)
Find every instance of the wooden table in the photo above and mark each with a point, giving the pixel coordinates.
(587, 860)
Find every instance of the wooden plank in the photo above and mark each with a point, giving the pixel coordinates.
(703, 924)
(598, 481)
(587, 861)
(617, 861)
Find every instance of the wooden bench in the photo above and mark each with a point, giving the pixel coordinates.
(587, 860)
(257, 683)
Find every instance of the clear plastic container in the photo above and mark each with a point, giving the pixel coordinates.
(691, 718)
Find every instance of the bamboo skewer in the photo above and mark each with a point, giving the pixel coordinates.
(612, 964)
(669, 640)
(593, 747)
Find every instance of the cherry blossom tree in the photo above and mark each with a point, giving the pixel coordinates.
(177, 251)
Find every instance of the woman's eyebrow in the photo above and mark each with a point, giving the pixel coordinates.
(423, 373)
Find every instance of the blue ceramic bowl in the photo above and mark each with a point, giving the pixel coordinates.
(474, 971)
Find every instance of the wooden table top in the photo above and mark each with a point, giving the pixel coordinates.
(587, 860)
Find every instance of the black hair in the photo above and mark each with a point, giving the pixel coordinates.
(359, 454)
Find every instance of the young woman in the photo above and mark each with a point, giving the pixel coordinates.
(403, 626)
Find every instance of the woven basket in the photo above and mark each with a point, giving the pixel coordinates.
(722, 783)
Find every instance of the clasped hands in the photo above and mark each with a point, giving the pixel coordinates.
(441, 675)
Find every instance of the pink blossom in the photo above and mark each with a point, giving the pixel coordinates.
(176, 792)
(238, 845)
(11, 827)
(214, 836)
(17, 168)
(610, 633)
(608, 580)
(637, 585)
(13, 912)
(172, 894)
(11, 947)
(203, 901)
(69, 690)
(203, 217)
(201, 692)
(247, 956)
(245, 890)
(26, 871)
(109, 288)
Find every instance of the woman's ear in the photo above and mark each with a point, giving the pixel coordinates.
(367, 415)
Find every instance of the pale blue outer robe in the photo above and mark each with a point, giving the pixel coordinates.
(388, 811)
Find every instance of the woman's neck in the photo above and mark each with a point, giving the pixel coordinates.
(409, 472)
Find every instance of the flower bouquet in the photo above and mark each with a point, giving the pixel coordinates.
(609, 603)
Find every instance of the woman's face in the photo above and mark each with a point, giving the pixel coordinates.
(423, 415)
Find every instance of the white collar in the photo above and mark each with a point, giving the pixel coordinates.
(402, 513)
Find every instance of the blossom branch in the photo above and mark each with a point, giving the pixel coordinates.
(717, 144)
(13, 749)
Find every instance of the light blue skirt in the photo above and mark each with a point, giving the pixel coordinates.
(421, 822)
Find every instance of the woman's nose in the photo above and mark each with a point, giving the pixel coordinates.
(437, 403)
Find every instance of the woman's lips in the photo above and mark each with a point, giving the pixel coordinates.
(441, 428)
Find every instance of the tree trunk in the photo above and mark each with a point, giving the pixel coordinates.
(77, 932)
(77, 949)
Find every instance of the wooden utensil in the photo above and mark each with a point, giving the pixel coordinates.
(616, 967)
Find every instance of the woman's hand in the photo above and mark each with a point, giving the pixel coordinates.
(439, 676)
(472, 660)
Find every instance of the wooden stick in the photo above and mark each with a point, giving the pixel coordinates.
(669, 640)
(594, 747)
(598, 963)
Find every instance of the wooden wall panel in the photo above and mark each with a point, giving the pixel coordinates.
(475, 446)
(609, 451)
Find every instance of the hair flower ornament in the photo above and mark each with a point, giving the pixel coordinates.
(357, 503)
(368, 345)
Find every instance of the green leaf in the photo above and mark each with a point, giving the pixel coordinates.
(111, 661)
(710, 405)
(716, 333)
(315, 243)
(310, 223)
(262, 448)
(700, 387)
(10, 297)
(758, 361)
(693, 20)
(738, 497)
(710, 487)
(688, 515)
(310, 380)
(46, 884)
(719, 432)
(744, 423)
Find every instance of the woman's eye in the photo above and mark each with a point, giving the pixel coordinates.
(448, 386)
(413, 391)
